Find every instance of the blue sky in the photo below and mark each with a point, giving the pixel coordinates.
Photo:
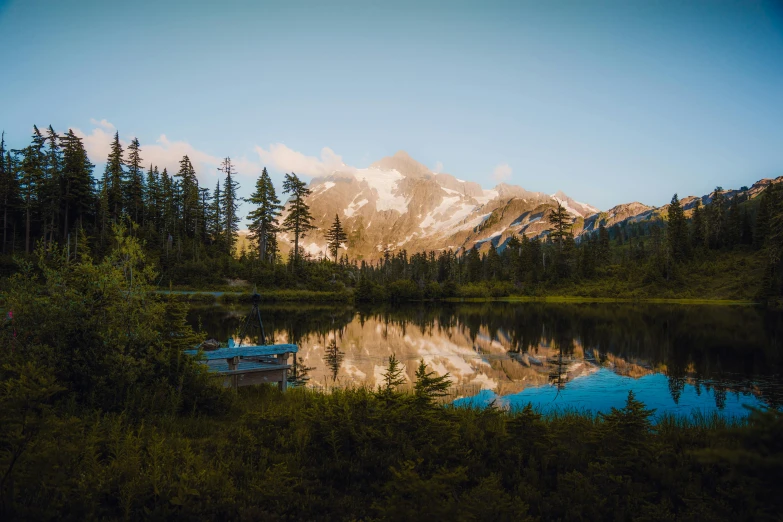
(609, 101)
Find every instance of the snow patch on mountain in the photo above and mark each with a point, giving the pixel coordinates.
(436, 215)
(488, 196)
(384, 184)
(354, 206)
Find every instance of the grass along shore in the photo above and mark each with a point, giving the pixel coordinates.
(347, 296)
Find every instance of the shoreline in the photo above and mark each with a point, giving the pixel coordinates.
(329, 296)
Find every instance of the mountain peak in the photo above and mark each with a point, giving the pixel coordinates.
(404, 164)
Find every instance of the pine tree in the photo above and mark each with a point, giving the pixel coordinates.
(746, 233)
(677, 231)
(473, 265)
(190, 197)
(5, 189)
(715, 218)
(393, 377)
(31, 182)
(604, 252)
(168, 211)
(775, 237)
(229, 203)
(299, 220)
(216, 216)
(762, 231)
(589, 251)
(9, 189)
(133, 190)
(263, 219)
(152, 199)
(51, 186)
(113, 178)
(698, 237)
(335, 237)
(734, 223)
(429, 386)
(204, 226)
(78, 192)
(492, 263)
(560, 219)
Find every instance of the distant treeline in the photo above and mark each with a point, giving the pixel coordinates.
(660, 254)
(49, 195)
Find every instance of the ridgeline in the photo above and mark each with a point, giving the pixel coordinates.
(728, 249)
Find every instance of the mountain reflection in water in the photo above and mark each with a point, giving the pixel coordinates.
(676, 358)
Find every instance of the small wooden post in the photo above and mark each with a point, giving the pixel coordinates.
(233, 364)
(282, 359)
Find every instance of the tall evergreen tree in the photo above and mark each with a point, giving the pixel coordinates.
(335, 237)
(113, 178)
(677, 231)
(152, 199)
(299, 220)
(31, 182)
(216, 216)
(5, 189)
(561, 222)
(734, 223)
(762, 231)
(9, 189)
(190, 197)
(133, 190)
(716, 215)
(493, 268)
(604, 252)
(698, 236)
(263, 219)
(51, 188)
(204, 227)
(169, 209)
(746, 228)
(78, 186)
(473, 265)
(230, 205)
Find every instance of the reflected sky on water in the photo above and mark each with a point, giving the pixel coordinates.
(676, 358)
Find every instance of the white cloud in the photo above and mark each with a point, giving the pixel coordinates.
(438, 167)
(97, 143)
(167, 153)
(103, 123)
(164, 153)
(502, 172)
(284, 159)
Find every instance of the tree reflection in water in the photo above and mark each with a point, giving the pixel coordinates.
(713, 348)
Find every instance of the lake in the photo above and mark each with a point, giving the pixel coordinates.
(676, 358)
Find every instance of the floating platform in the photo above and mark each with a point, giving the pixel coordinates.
(249, 365)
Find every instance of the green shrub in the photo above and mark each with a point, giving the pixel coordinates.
(404, 290)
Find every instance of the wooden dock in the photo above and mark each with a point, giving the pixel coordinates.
(249, 365)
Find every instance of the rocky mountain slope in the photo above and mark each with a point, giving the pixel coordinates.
(399, 203)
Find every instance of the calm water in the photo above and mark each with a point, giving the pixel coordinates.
(675, 358)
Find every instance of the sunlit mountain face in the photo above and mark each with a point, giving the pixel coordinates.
(398, 203)
(582, 356)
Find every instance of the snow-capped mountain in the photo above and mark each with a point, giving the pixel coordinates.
(399, 203)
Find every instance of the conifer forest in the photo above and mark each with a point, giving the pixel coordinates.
(52, 197)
